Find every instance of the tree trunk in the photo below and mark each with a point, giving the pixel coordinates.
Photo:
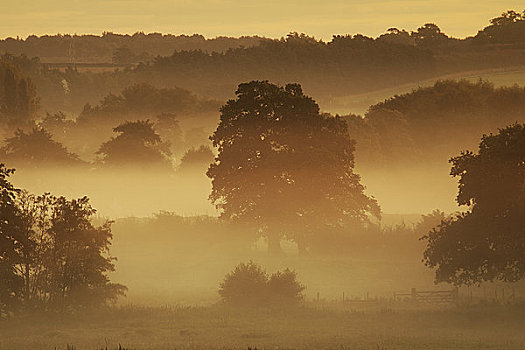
(274, 245)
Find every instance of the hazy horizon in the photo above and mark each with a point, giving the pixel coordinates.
(269, 19)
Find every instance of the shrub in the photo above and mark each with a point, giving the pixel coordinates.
(249, 285)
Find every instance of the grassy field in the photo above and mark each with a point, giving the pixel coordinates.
(384, 326)
(359, 103)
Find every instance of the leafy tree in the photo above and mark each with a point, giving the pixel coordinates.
(430, 221)
(196, 159)
(245, 285)
(487, 242)
(18, 100)
(11, 286)
(37, 149)
(283, 288)
(283, 167)
(51, 255)
(138, 145)
(430, 35)
(81, 261)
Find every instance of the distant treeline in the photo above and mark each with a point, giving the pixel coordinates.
(108, 47)
(433, 123)
(427, 124)
(347, 64)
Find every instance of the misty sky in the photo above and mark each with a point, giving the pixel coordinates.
(271, 18)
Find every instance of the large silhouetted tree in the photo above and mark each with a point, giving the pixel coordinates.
(487, 242)
(284, 167)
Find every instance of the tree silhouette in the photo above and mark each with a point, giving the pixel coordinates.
(37, 149)
(18, 100)
(51, 255)
(138, 145)
(487, 242)
(249, 285)
(283, 167)
(11, 237)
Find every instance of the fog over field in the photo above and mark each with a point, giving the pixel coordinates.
(348, 185)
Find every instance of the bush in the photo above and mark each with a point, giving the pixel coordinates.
(249, 285)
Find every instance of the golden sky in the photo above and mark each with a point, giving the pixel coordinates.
(271, 18)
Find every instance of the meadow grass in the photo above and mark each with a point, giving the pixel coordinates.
(385, 325)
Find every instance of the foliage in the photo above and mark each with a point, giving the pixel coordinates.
(137, 145)
(51, 255)
(283, 167)
(37, 149)
(18, 100)
(434, 122)
(509, 28)
(144, 100)
(249, 285)
(197, 159)
(485, 243)
(10, 238)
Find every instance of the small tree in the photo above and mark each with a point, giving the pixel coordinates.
(487, 242)
(245, 285)
(283, 288)
(137, 145)
(249, 285)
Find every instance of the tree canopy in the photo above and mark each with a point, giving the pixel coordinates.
(51, 255)
(487, 242)
(137, 145)
(37, 149)
(283, 167)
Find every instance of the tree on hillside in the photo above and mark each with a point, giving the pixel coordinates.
(430, 35)
(487, 242)
(37, 149)
(137, 145)
(509, 28)
(283, 167)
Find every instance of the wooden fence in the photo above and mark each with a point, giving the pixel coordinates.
(429, 296)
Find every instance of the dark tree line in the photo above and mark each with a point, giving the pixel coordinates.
(433, 123)
(102, 48)
(51, 255)
(345, 65)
